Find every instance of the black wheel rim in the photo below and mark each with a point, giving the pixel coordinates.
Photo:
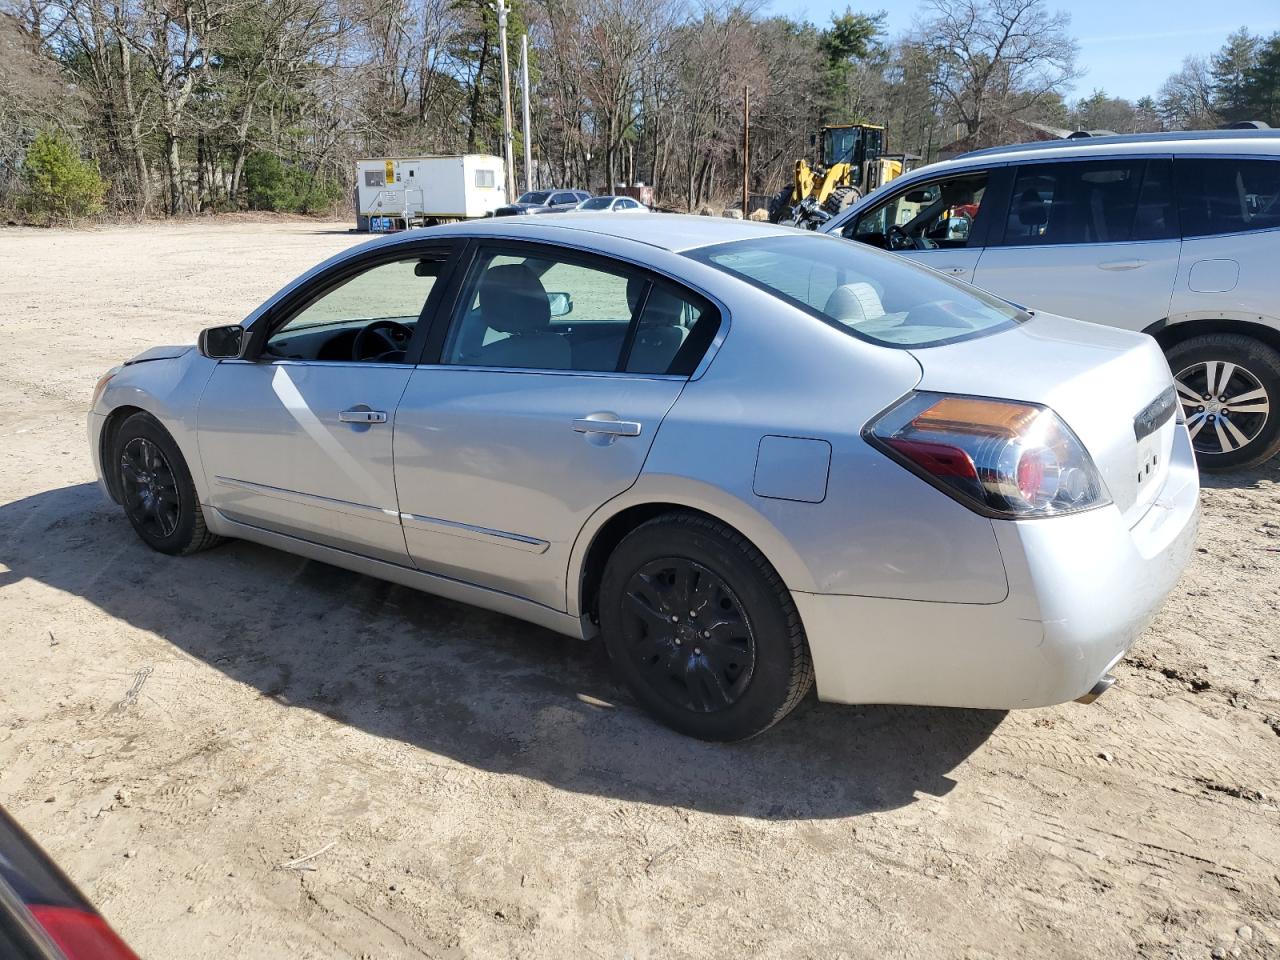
(1225, 405)
(151, 495)
(688, 635)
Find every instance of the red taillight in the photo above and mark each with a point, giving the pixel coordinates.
(1003, 458)
(940, 459)
(80, 935)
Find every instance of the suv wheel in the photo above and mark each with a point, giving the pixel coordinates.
(1229, 388)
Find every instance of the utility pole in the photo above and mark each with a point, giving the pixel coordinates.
(500, 8)
(746, 150)
(524, 106)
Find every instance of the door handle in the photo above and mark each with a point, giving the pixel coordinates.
(1122, 265)
(362, 415)
(954, 271)
(611, 427)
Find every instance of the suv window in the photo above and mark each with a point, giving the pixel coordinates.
(549, 312)
(925, 216)
(1102, 201)
(560, 198)
(1227, 195)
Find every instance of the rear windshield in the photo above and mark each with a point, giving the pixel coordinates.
(870, 294)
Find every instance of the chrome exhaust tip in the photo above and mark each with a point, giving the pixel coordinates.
(1099, 688)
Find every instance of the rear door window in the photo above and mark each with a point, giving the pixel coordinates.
(539, 308)
(1103, 201)
(1227, 195)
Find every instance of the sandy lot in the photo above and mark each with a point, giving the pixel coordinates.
(176, 732)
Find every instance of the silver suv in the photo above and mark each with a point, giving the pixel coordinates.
(1176, 235)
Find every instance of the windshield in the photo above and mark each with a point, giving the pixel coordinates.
(871, 295)
(534, 196)
(596, 203)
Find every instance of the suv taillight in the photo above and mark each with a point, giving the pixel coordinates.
(1001, 458)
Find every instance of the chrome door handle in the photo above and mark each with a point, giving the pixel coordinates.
(1122, 265)
(358, 415)
(613, 428)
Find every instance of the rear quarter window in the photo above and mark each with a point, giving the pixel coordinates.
(1227, 195)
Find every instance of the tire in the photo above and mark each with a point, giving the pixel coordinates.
(1229, 437)
(156, 490)
(780, 206)
(839, 198)
(756, 666)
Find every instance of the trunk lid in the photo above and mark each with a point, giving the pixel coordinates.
(1109, 386)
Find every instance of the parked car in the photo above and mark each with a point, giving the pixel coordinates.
(543, 201)
(1176, 235)
(612, 204)
(42, 914)
(742, 455)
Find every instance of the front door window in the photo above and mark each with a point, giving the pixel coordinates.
(936, 215)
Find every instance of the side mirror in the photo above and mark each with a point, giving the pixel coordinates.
(222, 343)
(561, 304)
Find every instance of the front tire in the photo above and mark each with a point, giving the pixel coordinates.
(156, 490)
(702, 629)
(1229, 388)
(840, 198)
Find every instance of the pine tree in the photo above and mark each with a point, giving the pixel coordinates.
(1230, 68)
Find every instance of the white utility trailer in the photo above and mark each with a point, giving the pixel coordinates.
(395, 193)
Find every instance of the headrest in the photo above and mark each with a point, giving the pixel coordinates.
(1032, 211)
(513, 300)
(854, 303)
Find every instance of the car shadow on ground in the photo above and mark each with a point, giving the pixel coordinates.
(1268, 472)
(486, 690)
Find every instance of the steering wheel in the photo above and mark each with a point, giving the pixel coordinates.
(383, 341)
(898, 239)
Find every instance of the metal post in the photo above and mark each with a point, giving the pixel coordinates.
(524, 105)
(501, 8)
(746, 150)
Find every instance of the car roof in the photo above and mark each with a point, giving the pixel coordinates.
(666, 231)
(1261, 142)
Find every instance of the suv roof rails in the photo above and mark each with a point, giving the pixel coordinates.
(1172, 137)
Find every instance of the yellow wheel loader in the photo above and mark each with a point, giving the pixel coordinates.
(851, 163)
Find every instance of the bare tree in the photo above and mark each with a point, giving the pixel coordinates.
(1186, 99)
(996, 59)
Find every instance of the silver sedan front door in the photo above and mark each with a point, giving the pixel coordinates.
(298, 440)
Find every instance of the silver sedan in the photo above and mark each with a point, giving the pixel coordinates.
(744, 457)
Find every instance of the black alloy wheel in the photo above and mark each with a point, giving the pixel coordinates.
(689, 634)
(151, 497)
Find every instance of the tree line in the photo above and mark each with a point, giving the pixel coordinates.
(168, 107)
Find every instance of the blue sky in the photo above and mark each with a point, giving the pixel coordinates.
(1127, 47)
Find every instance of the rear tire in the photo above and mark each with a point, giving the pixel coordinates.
(1212, 371)
(702, 629)
(156, 490)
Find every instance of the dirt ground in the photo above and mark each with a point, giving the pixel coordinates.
(181, 733)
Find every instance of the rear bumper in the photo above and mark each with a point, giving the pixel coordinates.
(1081, 591)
